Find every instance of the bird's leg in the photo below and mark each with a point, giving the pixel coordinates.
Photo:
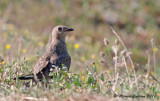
(31, 83)
(46, 77)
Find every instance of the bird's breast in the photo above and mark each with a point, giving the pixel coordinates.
(61, 49)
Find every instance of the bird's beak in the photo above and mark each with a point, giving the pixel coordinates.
(70, 29)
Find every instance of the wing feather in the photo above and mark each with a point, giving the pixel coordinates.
(41, 64)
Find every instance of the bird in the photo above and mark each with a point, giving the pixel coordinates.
(56, 54)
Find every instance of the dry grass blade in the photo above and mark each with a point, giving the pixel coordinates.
(154, 55)
(129, 57)
(125, 64)
(148, 64)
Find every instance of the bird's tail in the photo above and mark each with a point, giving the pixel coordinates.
(25, 77)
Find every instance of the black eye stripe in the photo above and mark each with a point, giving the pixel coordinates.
(59, 28)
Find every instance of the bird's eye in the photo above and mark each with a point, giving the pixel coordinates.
(59, 28)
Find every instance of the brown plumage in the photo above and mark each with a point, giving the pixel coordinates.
(56, 54)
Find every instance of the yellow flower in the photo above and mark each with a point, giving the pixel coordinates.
(24, 50)
(82, 58)
(76, 46)
(40, 44)
(10, 27)
(8, 46)
(93, 56)
(2, 62)
(155, 49)
(68, 74)
(83, 79)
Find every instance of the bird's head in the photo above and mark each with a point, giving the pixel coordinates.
(59, 32)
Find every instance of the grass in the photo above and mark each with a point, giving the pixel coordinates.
(107, 62)
(119, 79)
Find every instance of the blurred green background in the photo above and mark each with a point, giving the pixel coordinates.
(25, 26)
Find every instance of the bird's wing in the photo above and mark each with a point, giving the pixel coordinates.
(41, 64)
